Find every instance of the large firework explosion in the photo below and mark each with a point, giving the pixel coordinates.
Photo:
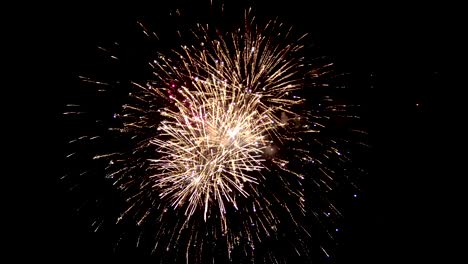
(217, 157)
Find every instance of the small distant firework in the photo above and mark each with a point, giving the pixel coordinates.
(221, 151)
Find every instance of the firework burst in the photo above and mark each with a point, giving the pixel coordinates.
(221, 151)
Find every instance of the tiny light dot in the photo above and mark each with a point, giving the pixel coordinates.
(354, 195)
(337, 230)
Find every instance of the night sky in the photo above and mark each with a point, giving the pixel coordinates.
(396, 57)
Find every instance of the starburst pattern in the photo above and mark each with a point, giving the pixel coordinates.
(221, 141)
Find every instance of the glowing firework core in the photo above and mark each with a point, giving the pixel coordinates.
(220, 124)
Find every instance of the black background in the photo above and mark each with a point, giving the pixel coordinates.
(403, 51)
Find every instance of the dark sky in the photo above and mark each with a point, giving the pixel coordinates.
(401, 51)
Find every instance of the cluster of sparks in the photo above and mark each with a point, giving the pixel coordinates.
(209, 137)
(219, 128)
